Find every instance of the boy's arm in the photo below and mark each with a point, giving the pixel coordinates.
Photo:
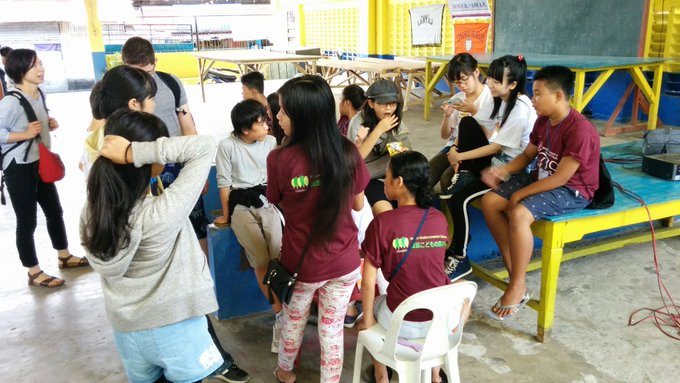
(186, 121)
(565, 170)
(224, 199)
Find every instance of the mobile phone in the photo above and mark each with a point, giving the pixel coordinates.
(454, 100)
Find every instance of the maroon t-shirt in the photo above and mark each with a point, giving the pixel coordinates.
(387, 239)
(343, 125)
(291, 186)
(574, 137)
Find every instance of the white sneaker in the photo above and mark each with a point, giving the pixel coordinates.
(276, 333)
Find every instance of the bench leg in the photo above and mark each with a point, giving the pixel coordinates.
(551, 258)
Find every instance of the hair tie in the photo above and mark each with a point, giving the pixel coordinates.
(520, 58)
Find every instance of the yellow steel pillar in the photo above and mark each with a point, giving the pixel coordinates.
(301, 25)
(94, 30)
(379, 30)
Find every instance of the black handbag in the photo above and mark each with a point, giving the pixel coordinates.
(280, 281)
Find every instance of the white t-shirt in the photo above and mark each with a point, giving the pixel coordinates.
(513, 136)
(484, 105)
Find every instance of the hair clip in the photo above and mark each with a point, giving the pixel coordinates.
(520, 58)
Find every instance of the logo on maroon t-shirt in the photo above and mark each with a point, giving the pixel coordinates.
(400, 243)
(434, 241)
(302, 182)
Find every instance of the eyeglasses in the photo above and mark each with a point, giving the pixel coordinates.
(462, 80)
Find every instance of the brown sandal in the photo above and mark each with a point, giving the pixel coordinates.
(45, 283)
(63, 262)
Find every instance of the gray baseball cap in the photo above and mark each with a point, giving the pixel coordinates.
(383, 91)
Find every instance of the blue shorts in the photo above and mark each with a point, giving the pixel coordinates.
(554, 202)
(183, 352)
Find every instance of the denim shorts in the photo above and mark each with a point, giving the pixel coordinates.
(183, 352)
(561, 200)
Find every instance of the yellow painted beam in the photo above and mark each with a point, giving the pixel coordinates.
(641, 81)
(596, 85)
(579, 85)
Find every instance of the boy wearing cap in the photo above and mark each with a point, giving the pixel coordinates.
(379, 132)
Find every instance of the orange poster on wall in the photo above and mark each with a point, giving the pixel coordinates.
(470, 37)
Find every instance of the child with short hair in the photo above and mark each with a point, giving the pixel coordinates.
(567, 149)
(473, 101)
(242, 180)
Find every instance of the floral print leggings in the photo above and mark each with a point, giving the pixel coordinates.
(334, 297)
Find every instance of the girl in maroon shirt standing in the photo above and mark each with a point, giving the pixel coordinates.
(317, 178)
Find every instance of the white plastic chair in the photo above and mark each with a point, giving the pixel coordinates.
(439, 347)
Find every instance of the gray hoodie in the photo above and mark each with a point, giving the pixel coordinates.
(162, 277)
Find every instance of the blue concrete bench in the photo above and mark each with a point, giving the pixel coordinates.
(238, 293)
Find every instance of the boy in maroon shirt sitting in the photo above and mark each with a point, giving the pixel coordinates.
(567, 148)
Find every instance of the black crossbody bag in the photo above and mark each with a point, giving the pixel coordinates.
(280, 281)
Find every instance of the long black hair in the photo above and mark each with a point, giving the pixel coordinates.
(118, 86)
(309, 103)
(461, 64)
(113, 189)
(414, 169)
(516, 68)
(368, 115)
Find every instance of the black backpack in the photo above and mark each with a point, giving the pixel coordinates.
(30, 114)
(604, 195)
(174, 88)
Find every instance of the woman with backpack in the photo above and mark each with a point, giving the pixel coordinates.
(20, 167)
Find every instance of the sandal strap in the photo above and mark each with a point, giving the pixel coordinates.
(46, 282)
(32, 277)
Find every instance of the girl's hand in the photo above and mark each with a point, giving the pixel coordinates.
(116, 149)
(448, 109)
(387, 124)
(453, 156)
(53, 124)
(465, 106)
(33, 129)
(362, 133)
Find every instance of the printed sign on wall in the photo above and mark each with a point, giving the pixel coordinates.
(426, 25)
(470, 37)
(469, 8)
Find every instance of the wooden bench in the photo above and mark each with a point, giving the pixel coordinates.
(662, 198)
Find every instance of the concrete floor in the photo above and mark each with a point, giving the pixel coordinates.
(62, 335)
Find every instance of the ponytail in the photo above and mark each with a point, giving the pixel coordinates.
(113, 190)
(414, 169)
(516, 68)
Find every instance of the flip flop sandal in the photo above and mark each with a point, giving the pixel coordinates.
(64, 264)
(44, 283)
(276, 375)
(513, 308)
